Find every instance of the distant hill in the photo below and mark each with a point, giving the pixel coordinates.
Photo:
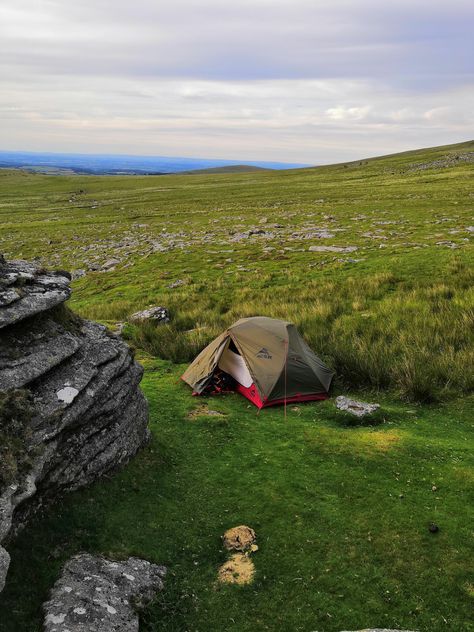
(415, 159)
(53, 163)
(226, 169)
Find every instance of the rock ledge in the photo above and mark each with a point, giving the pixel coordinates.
(86, 413)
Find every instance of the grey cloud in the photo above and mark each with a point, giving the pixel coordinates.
(304, 80)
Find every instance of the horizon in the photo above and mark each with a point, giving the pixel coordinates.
(219, 161)
(353, 79)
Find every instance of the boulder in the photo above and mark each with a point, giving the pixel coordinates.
(359, 409)
(155, 314)
(94, 594)
(83, 414)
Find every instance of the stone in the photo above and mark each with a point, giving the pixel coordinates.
(110, 263)
(176, 283)
(241, 538)
(332, 248)
(94, 594)
(359, 409)
(88, 414)
(155, 314)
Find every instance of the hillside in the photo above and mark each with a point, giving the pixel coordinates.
(373, 261)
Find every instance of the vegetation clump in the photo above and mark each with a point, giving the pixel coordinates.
(16, 412)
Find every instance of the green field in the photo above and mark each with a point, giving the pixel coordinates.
(341, 512)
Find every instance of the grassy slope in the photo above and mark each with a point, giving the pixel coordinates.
(339, 547)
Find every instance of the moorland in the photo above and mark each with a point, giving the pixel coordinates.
(372, 261)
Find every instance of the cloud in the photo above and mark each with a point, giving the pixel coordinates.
(309, 80)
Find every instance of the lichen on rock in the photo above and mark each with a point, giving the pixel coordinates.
(94, 594)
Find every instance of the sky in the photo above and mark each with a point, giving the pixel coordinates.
(311, 81)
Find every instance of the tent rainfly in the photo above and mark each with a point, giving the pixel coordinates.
(264, 359)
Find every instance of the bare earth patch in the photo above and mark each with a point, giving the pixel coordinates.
(204, 411)
(239, 569)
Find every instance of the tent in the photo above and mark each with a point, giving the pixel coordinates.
(264, 359)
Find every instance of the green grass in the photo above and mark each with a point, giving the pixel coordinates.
(341, 516)
(341, 512)
(396, 318)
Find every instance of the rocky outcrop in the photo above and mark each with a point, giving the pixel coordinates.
(94, 594)
(80, 385)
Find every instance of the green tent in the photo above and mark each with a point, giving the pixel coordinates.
(264, 359)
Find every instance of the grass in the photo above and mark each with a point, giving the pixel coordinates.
(16, 412)
(393, 314)
(341, 516)
(341, 511)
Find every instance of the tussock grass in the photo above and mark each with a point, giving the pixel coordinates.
(414, 338)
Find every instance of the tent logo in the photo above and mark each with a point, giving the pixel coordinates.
(264, 353)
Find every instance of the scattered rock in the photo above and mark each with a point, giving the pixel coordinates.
(239, 569)
(433, 528)
(450, 160)
(241, 538)
(94, 594)
(110, 263)
(177, 283)
(359, 409)
(77, 274)
(332, 248)
(156, 314)
(448, 244)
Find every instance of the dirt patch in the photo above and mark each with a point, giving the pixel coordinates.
(204, 411)
(240, 538)
(239, 569)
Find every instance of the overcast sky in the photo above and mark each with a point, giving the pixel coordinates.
(292, 80)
